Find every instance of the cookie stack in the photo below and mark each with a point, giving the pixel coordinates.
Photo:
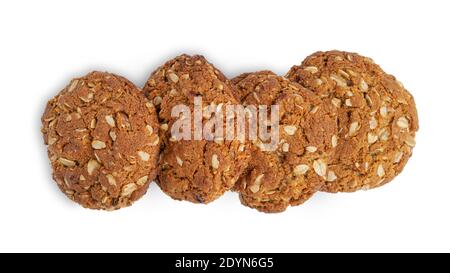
(343, 125)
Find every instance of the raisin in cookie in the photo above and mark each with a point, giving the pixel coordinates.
(297, 167)
(102, 141)
(198, 170)
(377, 117)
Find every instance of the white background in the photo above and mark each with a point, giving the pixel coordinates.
(43, 44)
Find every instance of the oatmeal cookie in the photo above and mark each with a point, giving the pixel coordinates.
(377, 117)
(196, 170)
(102, 141)
(297, 167)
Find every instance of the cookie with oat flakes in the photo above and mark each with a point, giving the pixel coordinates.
(377, 118)
(102, 141)
(196, 170)
(292, 172)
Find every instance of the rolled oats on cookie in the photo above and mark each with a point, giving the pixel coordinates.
(101, 134)
(377, 118)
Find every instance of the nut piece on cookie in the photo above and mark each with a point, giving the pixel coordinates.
(195, 169)
(377, 118)
(292, 172)
(101, 152)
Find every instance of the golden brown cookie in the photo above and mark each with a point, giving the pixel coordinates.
(102, 141)
(377, 117)
(297, 168)
(199, 170)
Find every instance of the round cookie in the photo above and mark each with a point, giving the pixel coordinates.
(196, 170)
(297, 167)
(102, 137)
(377, 117)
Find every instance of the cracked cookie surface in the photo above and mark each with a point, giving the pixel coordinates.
(200, 170)
(377, 117)
(297, 167)
(102, 141)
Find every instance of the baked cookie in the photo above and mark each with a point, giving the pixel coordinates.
(377, 117)
(297, 167)
(102, 141)
(197, 170)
